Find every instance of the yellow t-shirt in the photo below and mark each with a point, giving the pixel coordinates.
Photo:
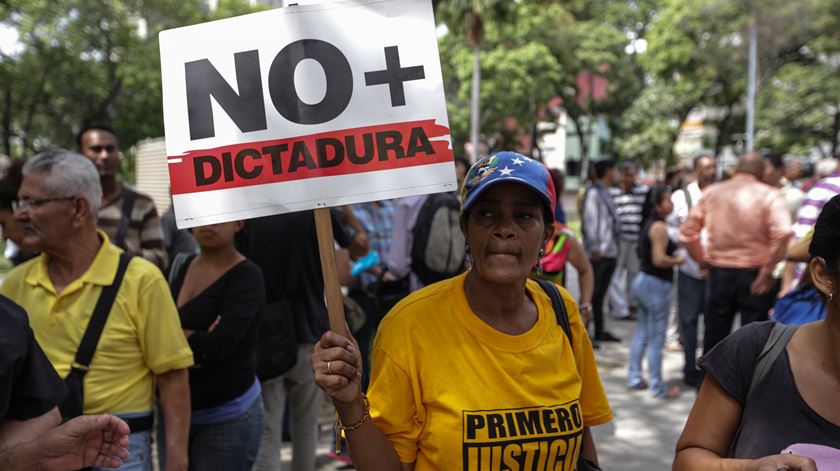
(142, 336)
(451, 392)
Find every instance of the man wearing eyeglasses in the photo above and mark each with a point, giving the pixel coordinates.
(141, 344)
(127, 216)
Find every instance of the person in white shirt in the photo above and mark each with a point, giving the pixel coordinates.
(691, 281)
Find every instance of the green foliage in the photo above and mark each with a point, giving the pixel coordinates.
(84, 61)
(538, 52)
(799, 109)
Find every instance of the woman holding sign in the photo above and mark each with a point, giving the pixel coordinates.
(484, 370)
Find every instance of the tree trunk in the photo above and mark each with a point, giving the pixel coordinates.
(584, 147)
(475, 108)
(723, 130)
(835, 134)
(7, 121)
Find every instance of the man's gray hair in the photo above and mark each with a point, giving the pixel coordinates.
(68, 174)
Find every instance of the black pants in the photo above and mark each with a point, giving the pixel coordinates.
(728, 293)
(603, 270)
(692, 301)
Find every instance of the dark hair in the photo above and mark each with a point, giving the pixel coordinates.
(655, 196)
(558, 179)
(826, 240)
(10, 184)
(776, 160)
(92, 127)
(462, 161)
(8, 195)
(696, 161)
(602, 167)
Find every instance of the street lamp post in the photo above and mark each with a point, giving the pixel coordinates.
(751, 73)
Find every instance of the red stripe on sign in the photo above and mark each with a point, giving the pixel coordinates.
(345, 152)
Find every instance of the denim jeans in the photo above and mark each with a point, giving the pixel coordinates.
(692, 302)
(654, 297)
(139, 453)
(231, 445)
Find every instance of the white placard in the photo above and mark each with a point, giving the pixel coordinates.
(304, 107)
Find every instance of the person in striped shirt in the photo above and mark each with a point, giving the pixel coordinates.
(629, 197)
(806, 217)
(128, 217)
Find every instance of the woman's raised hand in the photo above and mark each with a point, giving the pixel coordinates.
(337, 365)
(784, 462)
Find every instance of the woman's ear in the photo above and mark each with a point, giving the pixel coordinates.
(549, 232)
(822, 280)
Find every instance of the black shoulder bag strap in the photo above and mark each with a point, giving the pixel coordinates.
(776, 343)
(559, 308)
(563, 319)
(73, 403)
(129, 196)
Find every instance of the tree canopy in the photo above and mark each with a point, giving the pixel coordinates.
(640, 67)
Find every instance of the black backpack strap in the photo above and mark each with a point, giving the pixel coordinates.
(129, 196)
(96, 324)
(773, 348)
(559, 307)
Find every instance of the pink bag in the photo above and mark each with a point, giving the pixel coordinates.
(826, 458)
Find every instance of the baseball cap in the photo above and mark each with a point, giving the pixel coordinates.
(508, 167)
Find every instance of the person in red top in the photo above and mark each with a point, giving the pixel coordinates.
(748, 227)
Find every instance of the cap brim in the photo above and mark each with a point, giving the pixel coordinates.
(478, 192)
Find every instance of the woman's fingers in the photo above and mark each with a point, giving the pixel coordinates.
(331, 339)
(786, 462)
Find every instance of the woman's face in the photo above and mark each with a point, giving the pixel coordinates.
(666, 206)
(506, 230)
(216, 235)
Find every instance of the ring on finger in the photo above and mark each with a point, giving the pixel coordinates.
(329, 371)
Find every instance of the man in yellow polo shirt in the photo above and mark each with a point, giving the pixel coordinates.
(142, 343)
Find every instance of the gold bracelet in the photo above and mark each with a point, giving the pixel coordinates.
(340, 435)
(365, 416)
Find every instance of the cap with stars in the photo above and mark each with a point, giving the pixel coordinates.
(508, 167)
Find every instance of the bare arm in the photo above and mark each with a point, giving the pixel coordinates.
(589, 452)
(710, 428)
(13, 432)
(90, 440)
(577, 257)
(798, 250)
(690, 231)
(778, 232)
(359, 246)
(174, 390)
(369, 448)
(658, 234)
(586, 277)
(342, 264)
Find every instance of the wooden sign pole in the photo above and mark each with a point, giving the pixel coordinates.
(335, 301)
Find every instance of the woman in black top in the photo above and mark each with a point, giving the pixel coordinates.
(795, 407)
(219, 294)
(652, 290)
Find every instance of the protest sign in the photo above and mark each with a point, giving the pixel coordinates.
(304, 107)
